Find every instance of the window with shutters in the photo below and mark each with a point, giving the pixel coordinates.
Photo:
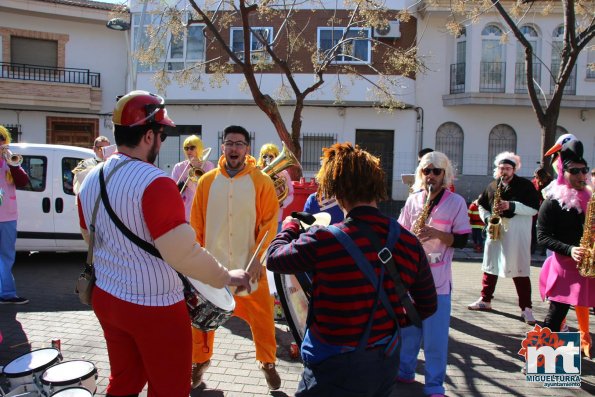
(32, 51)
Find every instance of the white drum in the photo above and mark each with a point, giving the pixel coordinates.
(73, 392)
(28, 368)
(209, 307)
(67, 374)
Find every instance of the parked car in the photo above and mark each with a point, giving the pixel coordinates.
(48, 218)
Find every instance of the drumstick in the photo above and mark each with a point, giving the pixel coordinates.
(253, 284)
(248, 267)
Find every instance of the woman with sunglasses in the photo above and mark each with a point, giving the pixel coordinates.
(559, 229)
(193, 151)
(446, 228)
(268, 152)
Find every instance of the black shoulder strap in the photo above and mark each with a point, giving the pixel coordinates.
(391, 267)
(145, 245)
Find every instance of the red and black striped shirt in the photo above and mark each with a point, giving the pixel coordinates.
(343, 297)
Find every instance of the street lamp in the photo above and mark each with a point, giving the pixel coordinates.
(122, 25)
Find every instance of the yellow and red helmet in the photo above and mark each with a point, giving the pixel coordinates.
(141, 108)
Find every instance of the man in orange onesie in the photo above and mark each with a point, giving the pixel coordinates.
(234, 206)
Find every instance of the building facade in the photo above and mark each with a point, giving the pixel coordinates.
(61, 70)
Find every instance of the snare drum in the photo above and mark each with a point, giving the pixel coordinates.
(73, 392)
(29, 367)
(209, 307)
(67, 374)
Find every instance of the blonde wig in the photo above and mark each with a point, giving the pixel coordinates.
(194, 140)
(438, 160)
(267, 148)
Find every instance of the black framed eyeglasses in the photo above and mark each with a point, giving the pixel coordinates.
(577, 170)
(237, 144)
(435, 171)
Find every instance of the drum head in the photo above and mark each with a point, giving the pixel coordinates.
(34, 361)
(220, 297)
(62, 374)
(293, 294)
(72, 392)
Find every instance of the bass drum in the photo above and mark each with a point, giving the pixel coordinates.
(294, 293)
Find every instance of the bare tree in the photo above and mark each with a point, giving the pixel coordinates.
(292, 50)
(578, 19)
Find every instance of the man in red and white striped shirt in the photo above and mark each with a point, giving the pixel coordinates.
(138, 297)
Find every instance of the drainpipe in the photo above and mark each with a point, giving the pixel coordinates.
(419, 128)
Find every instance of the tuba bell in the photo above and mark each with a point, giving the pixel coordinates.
(284, 160)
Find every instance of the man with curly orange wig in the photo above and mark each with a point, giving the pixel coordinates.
(351, 341)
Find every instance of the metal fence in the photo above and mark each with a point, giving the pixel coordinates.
(492, 77)
(570, 87)
(520, 77)
(312, 144)
(20, 71)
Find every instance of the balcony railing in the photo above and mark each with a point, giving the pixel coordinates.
(520, 77)
(457, 78)
(19, 71)
(570, 87)
(492, 77)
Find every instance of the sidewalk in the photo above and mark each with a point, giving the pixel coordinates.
(483, 359)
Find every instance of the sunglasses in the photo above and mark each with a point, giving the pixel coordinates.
(435, 171)
(162, 136)
(268, 156)
(189, 147)
(576, 171)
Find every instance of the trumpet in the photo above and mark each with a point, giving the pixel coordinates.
(194, 173)
(11, 158)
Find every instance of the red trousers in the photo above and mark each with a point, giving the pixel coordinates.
(145, 344)
(522, 284)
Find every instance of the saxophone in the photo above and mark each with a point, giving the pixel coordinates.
(586, 267)
(421, 220)
(495, 221)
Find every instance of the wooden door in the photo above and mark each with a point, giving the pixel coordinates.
(79, 132)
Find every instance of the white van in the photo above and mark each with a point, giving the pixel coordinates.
(48, 217)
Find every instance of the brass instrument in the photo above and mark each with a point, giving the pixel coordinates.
(421, 220)
(495, 221)
(194, 173)
(11, 158)
(284, 160)
(586, 267)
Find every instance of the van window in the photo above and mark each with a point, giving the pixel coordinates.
(36, 168)
(68, 164)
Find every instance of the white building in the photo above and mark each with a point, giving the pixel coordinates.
(470, 104)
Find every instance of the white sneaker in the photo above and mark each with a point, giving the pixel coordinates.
(480, 305)
(527, 316)
(564, 326)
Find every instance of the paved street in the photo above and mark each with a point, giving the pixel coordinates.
(483, 359)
